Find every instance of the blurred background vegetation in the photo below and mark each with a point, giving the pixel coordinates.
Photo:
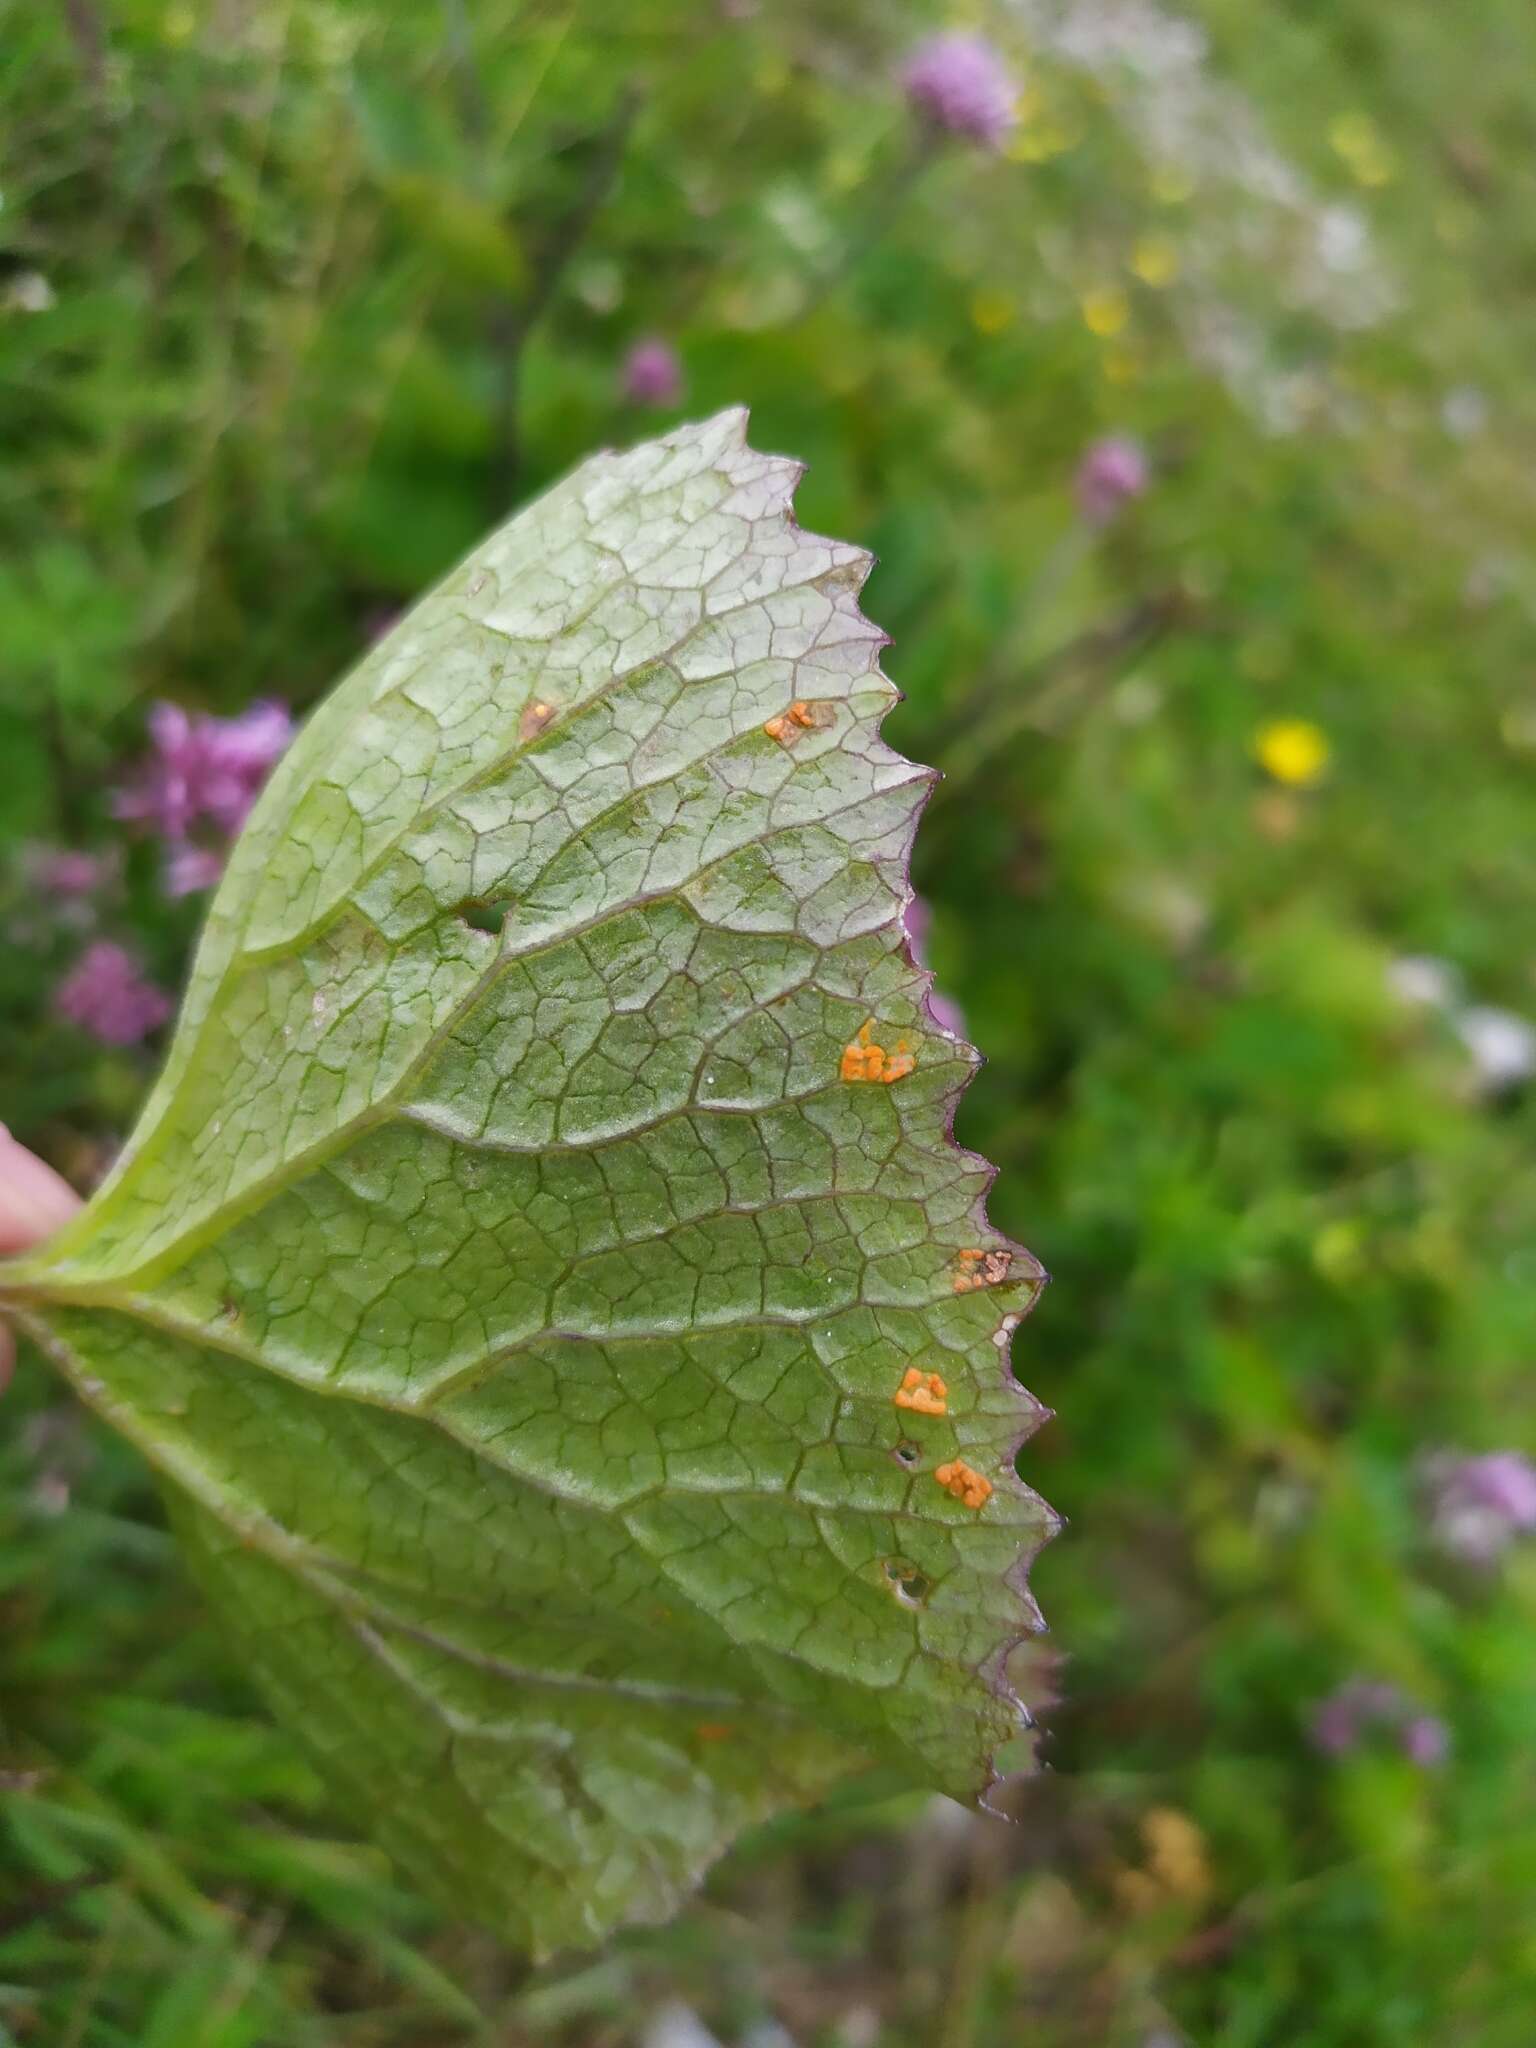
(1233, 876)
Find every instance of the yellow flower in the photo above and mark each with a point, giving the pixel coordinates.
(991, 310)
(1293, 751)
(1338, 1250)
(1176, 1853)
(847, 168)
(1155, 261)
(1353, 134)
(1038, 141)
(1177, 1870)
(1105, 311)
(1172, 185)
(1356, 139)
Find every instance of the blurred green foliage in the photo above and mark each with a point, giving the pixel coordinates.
(296, 296)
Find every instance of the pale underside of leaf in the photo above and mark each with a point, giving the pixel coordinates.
(506, 1275)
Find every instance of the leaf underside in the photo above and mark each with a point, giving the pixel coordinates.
(512, 1273)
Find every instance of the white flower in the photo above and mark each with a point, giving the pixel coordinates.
(1502, 1046)
(1464, 412)
(677, 2026)
(1424, 981)
(29, 292)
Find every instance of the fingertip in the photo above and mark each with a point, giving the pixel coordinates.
(34, 1200)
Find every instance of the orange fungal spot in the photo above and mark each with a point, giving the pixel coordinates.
(801, 717)
(863, 1060)
(924, 1392)
(968, 1487)
(714, 1731)
(982, 1269)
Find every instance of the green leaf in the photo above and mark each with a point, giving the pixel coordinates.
(515, 1267)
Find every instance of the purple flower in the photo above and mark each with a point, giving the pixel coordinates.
(1425, 1740)
(960, 83)
(1113, 473)
(652, 373)
(106, 994)
(203, 772)
(1478, 1505)
(944, 1011)
(1341, 1719)
(204, 769)
(380, 619)
(60, 871)
(1362, 1706)
(190, 868)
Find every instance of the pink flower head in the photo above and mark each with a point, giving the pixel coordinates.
(1478, 1505)
(652, 373)
(1362, 1706)
(1113, 473)
(1425, 1740)
(1342, 1718)
(63, 871)
(190, 868)
(380, 619)
(960, 83)
(204, 770)
(917, 922)
(944, 1011)
(106, 994)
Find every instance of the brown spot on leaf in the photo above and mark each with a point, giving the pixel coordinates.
(982, 1269)
(536, 715)
(923, 1392)
(968, 1486)
(714, 1731)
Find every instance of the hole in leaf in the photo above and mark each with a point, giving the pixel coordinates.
(483, 914)
(910, 1586)
(908, 1453)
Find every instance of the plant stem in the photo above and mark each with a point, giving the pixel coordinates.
(977, 1939)
(884, 209)
(510, 322)
(1036, 697)
(512, 325)
(88, 33)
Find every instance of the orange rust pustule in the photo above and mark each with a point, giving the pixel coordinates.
(923, 1392)
(866, 1061)
(790, 726)
(534, 719)
(982, 1269)
(968, 1487)
(713, 1731)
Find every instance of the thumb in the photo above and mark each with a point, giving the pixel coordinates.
(34, 1202)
